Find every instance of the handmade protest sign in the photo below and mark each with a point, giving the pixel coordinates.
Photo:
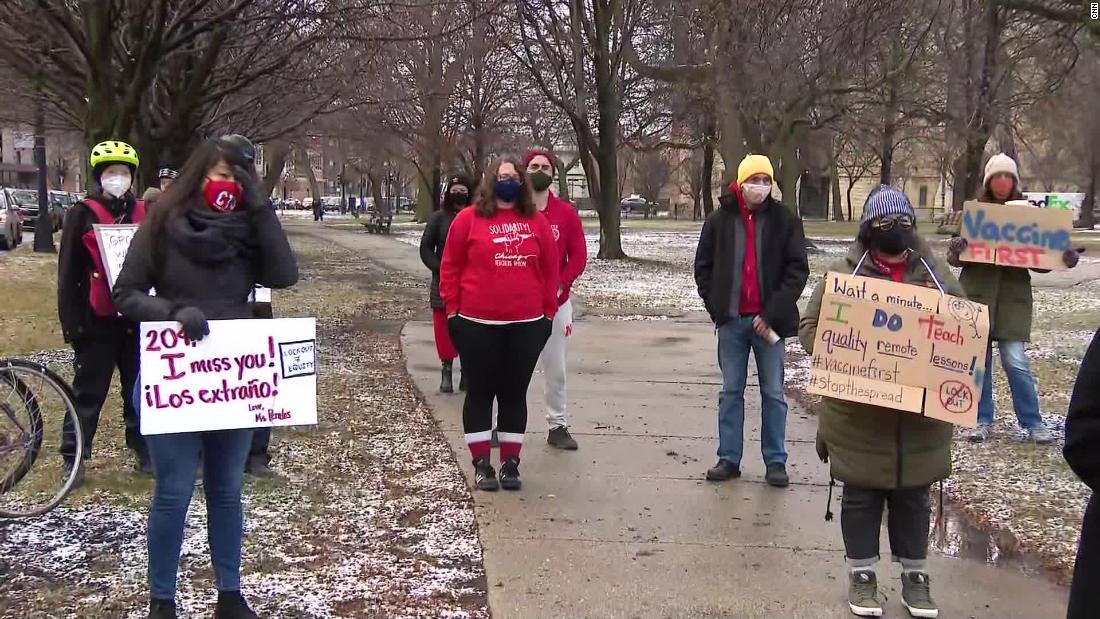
(245, 374)
(1016, 236)
(900, 346)
(114, 242)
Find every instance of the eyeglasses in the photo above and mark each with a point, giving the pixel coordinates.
(535, 167)
(508, 177)
(885, 224)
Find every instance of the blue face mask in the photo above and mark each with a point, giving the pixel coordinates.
(507, 190)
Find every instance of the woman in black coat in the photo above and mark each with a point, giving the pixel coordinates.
(455, 198)
(1082, 451)
(210, 240)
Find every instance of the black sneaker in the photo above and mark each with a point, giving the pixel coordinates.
(561, 439)
(78, 480)
(256, 467)
(162, 609)
(485, 477)
(231, 605)
(143, 465)
(723, 470)
(777, 476)
(509, 474)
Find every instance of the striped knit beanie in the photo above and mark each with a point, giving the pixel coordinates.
(886, 201)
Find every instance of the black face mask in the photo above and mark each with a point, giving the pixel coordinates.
(456, 200)
(891, 242)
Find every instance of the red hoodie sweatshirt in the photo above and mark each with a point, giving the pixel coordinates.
(502, 268)
(569, 233)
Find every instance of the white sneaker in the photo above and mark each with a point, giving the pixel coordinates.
(1041, 435)
(979, 434)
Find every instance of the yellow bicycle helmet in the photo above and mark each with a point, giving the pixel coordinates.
(113, 151)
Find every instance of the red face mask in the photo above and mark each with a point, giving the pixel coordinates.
(222, 196)
(1001, 187)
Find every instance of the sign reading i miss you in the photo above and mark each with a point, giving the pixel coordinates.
(245, 374)
(900, 346)
(1016, 236)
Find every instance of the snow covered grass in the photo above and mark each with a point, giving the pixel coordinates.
(370, 517)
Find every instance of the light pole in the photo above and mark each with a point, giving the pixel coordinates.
(43, 226)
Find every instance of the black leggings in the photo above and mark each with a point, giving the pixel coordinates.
(498, 361)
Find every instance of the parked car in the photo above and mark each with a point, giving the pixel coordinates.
(26, 200)
(65, 201)
(11, 224)
(331, 203)
(634, 204)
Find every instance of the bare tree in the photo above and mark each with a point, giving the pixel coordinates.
(573, 51)
(163, 73)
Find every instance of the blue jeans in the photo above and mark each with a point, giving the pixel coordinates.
(175, 458)
(735, 339)
(1021, 383)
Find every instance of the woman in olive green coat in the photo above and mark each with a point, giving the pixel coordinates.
(884, 456)
(1007, 292)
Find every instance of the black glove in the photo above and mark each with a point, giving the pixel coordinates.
(250, 195)
(193, 322)
(1071, 257)
(955, 248)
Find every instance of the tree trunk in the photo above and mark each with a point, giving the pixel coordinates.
(787, 176)
(607, 153)
(1088, 205)
(851, 183)
(275, 157)
(563, 178)
(708, 173)
(834, 173)
(968, 171)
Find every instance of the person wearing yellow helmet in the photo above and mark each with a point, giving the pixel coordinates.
(101, 339)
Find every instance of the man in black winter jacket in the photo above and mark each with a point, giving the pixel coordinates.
(1082, 452)
(100, 338)
(751, 268)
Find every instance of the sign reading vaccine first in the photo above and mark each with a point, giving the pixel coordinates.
(1016, 236)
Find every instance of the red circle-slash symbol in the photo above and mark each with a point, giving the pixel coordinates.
(956, 397)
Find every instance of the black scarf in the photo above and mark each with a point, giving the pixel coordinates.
(209, 237)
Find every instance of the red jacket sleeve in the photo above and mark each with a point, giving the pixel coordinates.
(454, 261)
(549, 266)
(576, 252)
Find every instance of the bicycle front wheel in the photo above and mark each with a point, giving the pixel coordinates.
(41, 439)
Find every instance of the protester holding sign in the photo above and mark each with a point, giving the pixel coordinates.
(751, 268)
(455, 198)
(885, 457)
(1007, 292)
(499, 281)
(211, 239)
(101, 340)
(1082, 452)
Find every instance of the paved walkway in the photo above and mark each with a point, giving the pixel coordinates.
(626, 528)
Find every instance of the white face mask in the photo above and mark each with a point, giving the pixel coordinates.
(115, 185)
(756, 194)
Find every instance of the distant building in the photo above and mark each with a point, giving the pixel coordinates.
(65, 159)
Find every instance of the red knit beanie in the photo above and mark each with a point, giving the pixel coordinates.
(535, 152)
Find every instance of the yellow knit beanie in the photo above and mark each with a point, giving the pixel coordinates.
(754, 164)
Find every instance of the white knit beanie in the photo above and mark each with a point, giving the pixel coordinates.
(1001, 163)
